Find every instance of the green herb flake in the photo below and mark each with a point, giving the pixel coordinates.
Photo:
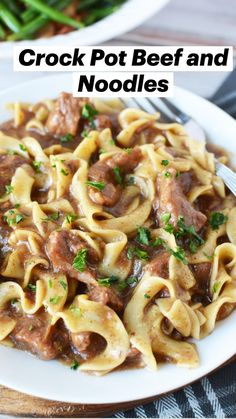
(22, 147)
(89, 112)
(70, 218)
(66, 138)
(177, 174)
(157, 242)
(31, 287)
(165, 162)
(132, 280)
(74, 365)
(167, 174)
(85, 133)
(96, 185)
(64, 172)
(52, 217)
(117, 174)
(141, 254)
(55, 300)
(17, 206)
(50, 283)
(209, 257)
(75, 310)
(179, 254)
(128, 150)
(130, 253)
(36, 166)
(9, 189)
(217, 219)
(107, 282)
(131, 180)
(143, 235)
(166, 217)
(63, 284)
(19, 218)
(112, 142)
(79, 262)
(216, 287)
(147, 296)
(122, 285)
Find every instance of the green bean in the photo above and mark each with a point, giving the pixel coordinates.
(12, 6)
(28, 15)
(2, 32)
(53, 14)
(30, 28)
(9, 19)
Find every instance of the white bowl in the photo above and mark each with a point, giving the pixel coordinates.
(52, 380)
(130, 15)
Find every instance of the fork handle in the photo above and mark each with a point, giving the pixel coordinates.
(180, 116)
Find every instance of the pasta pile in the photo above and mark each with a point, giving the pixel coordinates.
(150, 262)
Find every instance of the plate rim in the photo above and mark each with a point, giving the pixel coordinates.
(153, 394)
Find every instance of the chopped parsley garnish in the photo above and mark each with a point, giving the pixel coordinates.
(36, 165)
(132, 280)
(112, 142)
(11, 152)
(128, 150)
(22, 147)
(143, 235)
(141, 254)
(147, 296)
(64, 172)
(130, 180)
(89, 112)
(31, 287)
(167, 174)
(122, 285)
(216, 287)
(209, 257)
(79, 262)
(97, 185)
(52, 217)
(217, 219)
(55, 300)
(107, 282)
(63, 284)
(70, 218)
(179, 254)
(17, 206)
(165, 162)
(66, 138)
(168, 227)
(130, 253)
(9, 189)
(14, 220)
(50, 283)
(195, 239)
(177, 174)
(117, 174)
(74, 365)
(75, 310)
(85, 133)
(157, 242)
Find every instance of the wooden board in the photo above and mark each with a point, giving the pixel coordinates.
(14, 403)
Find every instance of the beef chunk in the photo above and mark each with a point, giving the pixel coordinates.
(171, 199)
(159, 265)
(65, 117)
(102, 122)
(62, 247)
(102, 171)
(107, 296)
(87, 344)
(34, 334)
(8, 166)
(81, 341)
(201, 271)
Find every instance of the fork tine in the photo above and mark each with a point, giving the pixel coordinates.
(144, 104)
(180, 116)
(228, 176)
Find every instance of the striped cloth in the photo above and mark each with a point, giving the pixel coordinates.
(213, 396)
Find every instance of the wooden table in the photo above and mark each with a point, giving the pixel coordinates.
(182, 22)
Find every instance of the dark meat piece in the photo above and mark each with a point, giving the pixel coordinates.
(171, 199)
(201, 271)
(62, 247)
(102, 171)
(87, 344)
(201, 292)
(102, 122)
(159, 265)
(8, 166)
(34, 334)
(186, 181)
(107, 296)
(65, 117)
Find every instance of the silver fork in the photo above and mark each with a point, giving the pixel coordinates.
(191, 126)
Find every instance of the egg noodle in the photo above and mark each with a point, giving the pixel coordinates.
(129, 210)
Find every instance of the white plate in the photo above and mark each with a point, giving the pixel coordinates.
(52, 380)
(130, 15)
